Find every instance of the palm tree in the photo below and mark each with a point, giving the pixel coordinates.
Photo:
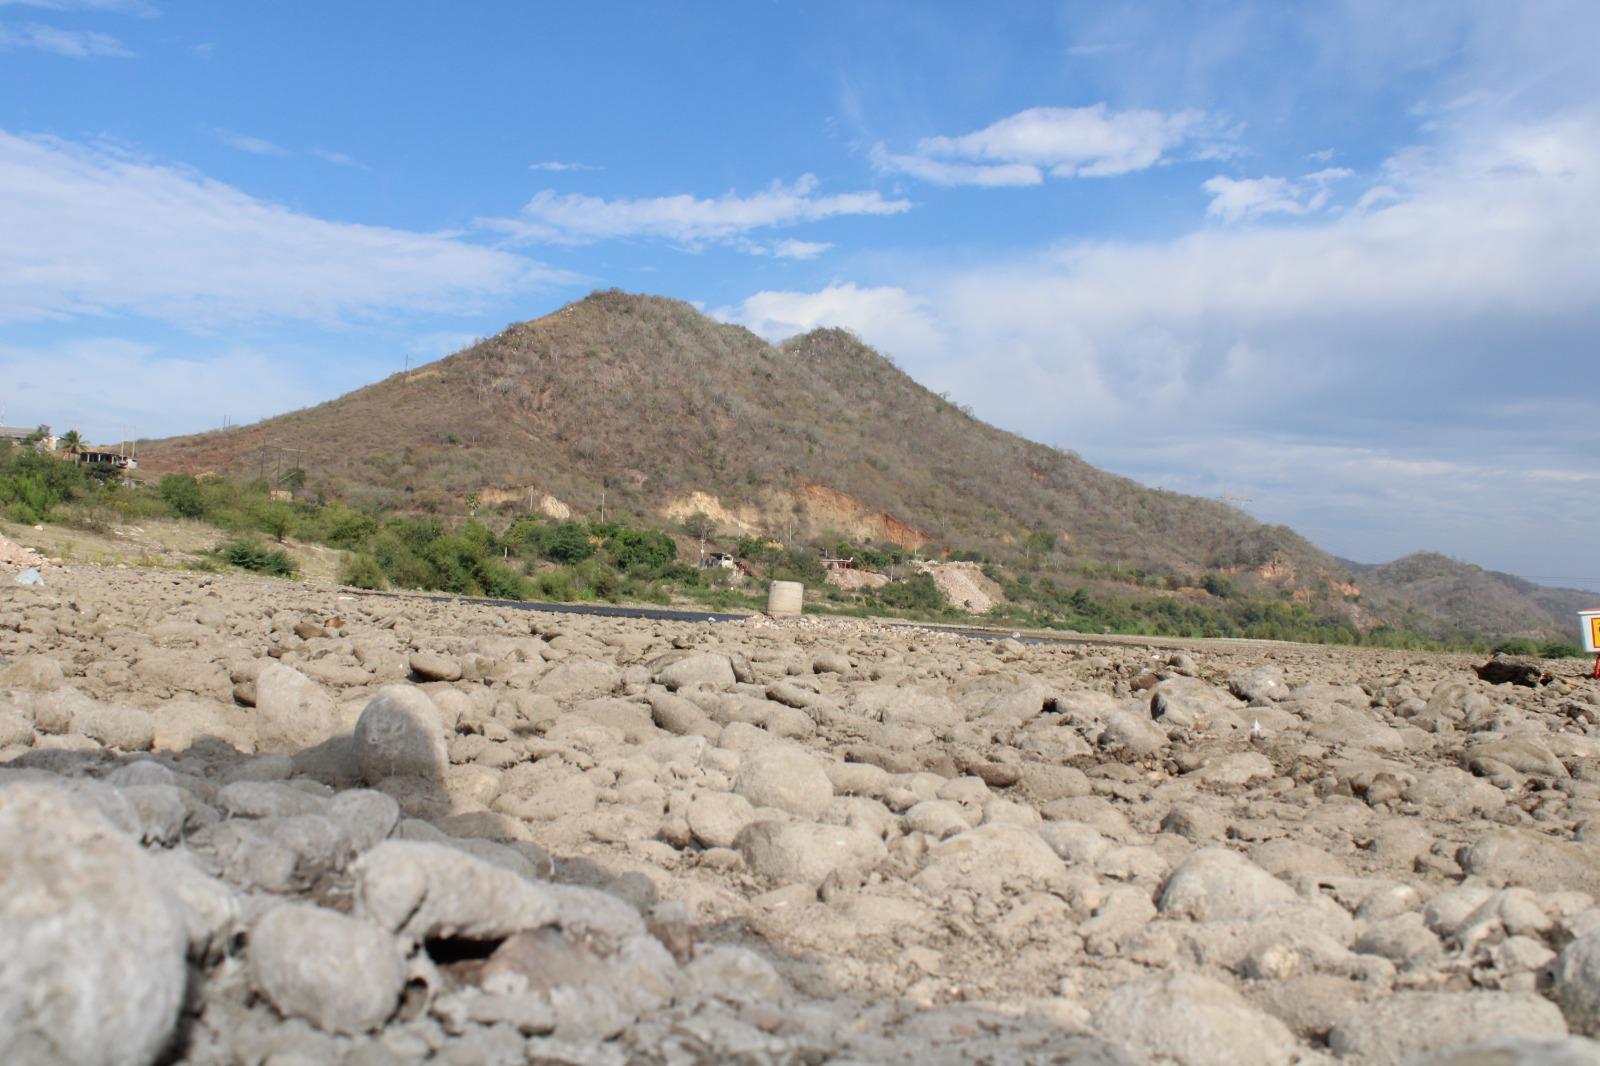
(294, 479)
(71, 442)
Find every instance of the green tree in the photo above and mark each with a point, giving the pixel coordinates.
(293, 479)
(1038, 544)
(72, 442)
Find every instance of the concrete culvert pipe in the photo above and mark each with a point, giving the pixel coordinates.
(784, 598)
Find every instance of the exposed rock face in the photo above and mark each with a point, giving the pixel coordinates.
(478, 834)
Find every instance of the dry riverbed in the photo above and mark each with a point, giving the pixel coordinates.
(258, 821)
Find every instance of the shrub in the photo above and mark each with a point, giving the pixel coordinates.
(250, 556)
(362, 572)
(182, 493)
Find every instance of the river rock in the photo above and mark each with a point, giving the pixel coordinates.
(340, 974)
(293, 712)
(784, 777)
(1192, 1020)
(400, 734)
(93, 970)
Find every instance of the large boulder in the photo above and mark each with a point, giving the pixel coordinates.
(93, 967)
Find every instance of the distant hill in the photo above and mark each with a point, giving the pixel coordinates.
(1436, 594)
(643, 406)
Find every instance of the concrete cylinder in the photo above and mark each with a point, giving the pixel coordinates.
(784, 599)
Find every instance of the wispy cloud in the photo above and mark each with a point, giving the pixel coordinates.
(793, 249)
(113, 7)
(1233, 200)
(175, 394)
(338, 159)
(575, 218)
(563, 166)
(91, 231)
(74, 44)
(246, 143)
(1059, 142)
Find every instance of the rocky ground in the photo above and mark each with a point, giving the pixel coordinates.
(252, 822)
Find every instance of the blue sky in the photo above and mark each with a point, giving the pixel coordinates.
(1340, 259)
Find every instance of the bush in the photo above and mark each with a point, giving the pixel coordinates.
(647, 552)
(250, 556)
(182, 493)
(362, 572)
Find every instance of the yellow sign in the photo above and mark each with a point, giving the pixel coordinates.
(1594, 631)
(1591, 632)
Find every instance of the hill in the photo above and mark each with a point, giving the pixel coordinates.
(645, 406)
(642, 407)
(1434, 594)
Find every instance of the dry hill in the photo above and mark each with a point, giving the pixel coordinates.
(661, 411)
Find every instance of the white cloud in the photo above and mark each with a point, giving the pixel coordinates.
(1062, 142)
(92, 231)
(888, 317)
(253, 145)
(793, 249)
(557, 166)
(1444, 319)
(942, 172)
(109, 388)
(578, 219)
(1235, 199)
(74, 44)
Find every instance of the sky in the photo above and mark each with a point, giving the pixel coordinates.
(1337, 263)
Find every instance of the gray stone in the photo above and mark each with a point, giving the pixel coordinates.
(801, 852)
(716, 818)
(366, 816)
(293, 712)
(125, 728)
(989, 859)
(733, 973)
(706, 670)
(1574, 1051)
(784, 777)
(1398, 1027)
(1576, 984)
(1215, 884)
(15, 730)
(400, 734)
(93, 969)
(340, 974)
(431, 666)
(1192, 1020)
(1521, 857)
(425, 890)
